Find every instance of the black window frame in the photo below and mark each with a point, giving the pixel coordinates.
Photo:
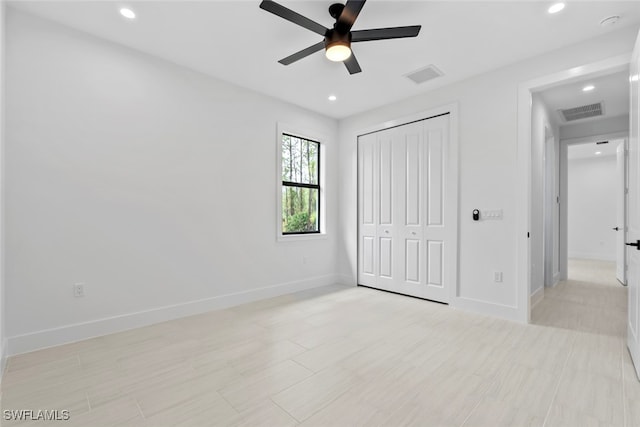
(304, 185)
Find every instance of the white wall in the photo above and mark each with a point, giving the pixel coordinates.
(612, 125)
(488, 134)
(552, 211)
(152, 184)
(2, 127)
(592, 207)
(543, 190)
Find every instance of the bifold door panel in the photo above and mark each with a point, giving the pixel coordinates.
(402, 201)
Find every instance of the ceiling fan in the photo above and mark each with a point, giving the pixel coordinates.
(337, 40)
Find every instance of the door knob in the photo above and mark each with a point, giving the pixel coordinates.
(616, 228)
(386, 231)
(636, 244)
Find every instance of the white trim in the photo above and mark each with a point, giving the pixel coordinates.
(564, 191)
(523, 205)
(486, 308)
(454, 158)
(592, 256)
(3, 303)
(563, 265)
(346, 280)
(523, 182)
(548, 202)
(312, 136)
(81, 331)
(536, 297)
(3, 359)
(594, 138)
(451, 108)
(556, 279)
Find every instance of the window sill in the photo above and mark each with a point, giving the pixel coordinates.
(301, 237)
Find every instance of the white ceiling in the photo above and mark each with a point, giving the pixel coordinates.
(240, 43)
(612, 90)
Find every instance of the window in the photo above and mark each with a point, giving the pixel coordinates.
(300, 170)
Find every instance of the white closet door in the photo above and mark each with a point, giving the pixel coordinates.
(402, 179)
(409, 205)
(368, 175)
(387, 227)
(438, 219)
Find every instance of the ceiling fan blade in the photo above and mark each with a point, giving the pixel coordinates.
(302, 54)
(385, 33)
(352, 64)
(349, 14)
(291, 16)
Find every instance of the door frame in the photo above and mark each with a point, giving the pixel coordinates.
(454, 161)
(564, 190)
(524, 200)
(550, 204)
(625, 205)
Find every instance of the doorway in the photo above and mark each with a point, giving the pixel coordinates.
(630, 64)
(576, 130)
(596, 203)
(528, 199)
(590, 298)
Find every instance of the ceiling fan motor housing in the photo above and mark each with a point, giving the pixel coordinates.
(335, 37)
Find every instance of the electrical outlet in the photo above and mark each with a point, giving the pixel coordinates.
(304, 259)
(78, 290)
(497, 276)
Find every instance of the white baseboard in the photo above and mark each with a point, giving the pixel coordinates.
(81, 331)
(346, 279)
(3, 358)
(536, 297)
(488, 308)
(593, 256)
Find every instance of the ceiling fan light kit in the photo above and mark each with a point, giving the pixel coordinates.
(337, 46)
(337, 41)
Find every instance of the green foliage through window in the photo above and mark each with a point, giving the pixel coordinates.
(300, 185)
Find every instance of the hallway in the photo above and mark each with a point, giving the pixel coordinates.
(592, 300)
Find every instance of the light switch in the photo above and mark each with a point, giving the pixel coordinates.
(495, 214)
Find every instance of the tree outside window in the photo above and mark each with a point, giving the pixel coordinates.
(300, 185)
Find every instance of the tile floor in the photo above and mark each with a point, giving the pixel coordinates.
(345, 357)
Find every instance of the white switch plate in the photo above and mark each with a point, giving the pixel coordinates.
(494, 214)
(497, 276)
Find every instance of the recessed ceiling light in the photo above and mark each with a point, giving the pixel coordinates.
(588, 88)
(598, 152)
(332, 97)
(556, 8)
(127, 13)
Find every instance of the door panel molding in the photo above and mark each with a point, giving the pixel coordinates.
(420, 178)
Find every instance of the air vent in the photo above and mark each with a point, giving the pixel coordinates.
(424, 74)
(583, 112)
(602, 142)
